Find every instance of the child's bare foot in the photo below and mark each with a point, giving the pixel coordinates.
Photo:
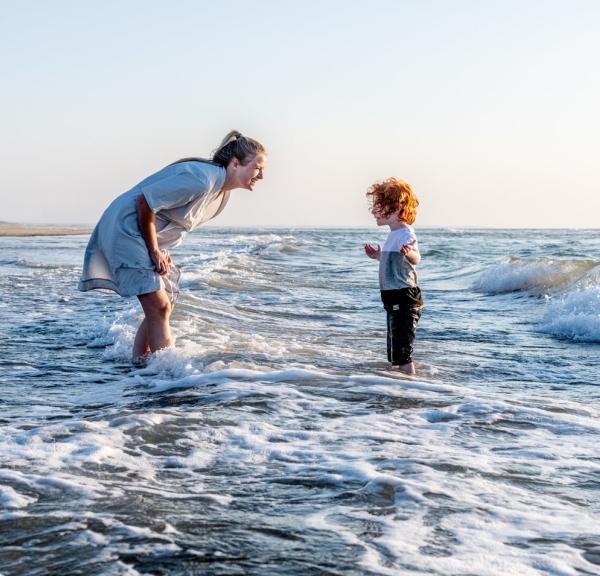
(406, 368)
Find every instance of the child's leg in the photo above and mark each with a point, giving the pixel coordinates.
(402, 324)
(389, 333)
(400, 338)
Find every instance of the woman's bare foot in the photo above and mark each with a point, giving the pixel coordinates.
(140, 361)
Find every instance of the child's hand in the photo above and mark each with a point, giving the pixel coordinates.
(373, 252)
(407, 248)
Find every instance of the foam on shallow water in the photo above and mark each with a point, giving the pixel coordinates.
(416, 474)
(574, 316)
(273, 438)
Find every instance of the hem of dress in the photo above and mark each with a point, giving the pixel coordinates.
(103, 284)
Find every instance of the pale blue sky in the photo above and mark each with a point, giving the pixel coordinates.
(490, 109)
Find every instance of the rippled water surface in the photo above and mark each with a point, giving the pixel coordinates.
(274, 439)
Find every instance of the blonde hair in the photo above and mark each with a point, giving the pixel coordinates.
(234, 145)
(391, 194)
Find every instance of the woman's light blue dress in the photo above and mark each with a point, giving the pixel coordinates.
(182, 196)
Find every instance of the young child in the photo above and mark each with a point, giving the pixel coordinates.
(394, 205)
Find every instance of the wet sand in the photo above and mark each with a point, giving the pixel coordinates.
(12, 229)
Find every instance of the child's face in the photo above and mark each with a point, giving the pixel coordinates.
(382, 220)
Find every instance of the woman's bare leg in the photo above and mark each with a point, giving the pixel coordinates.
(157, 311)
(140, 344)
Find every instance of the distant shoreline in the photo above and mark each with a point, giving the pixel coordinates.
(16, 229)
(11, 229)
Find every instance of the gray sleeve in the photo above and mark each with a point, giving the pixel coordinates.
(174, 190)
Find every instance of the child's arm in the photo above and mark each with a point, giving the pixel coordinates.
(411, 253)
(373, 252)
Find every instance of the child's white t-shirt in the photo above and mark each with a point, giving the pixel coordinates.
(395, 271)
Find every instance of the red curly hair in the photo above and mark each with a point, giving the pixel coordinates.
(392, 193)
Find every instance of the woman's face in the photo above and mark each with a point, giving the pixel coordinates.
(249, 174)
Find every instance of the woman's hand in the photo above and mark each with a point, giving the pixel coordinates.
(162, 261)
(373, 252)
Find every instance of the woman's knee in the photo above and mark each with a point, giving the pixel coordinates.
(156, 305)
(162, 309)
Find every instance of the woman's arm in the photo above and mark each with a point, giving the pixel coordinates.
(147, 223)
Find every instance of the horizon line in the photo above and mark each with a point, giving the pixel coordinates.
(318, 226)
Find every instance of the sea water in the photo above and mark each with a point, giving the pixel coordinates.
(274, 439)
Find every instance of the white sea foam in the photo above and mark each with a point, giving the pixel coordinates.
(275, 404)
(10, 498)
(25, 263)
(491, 517)
(255, 240)
(396, 459)
(574, 316)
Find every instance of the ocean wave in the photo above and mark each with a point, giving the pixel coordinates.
(255, 240)
(536, 276)
(237, 272)
(276, 248)
(242, 263)
(25, 263)
(10, 498)
(434, 252)
(273, 244)
(575, 316)
(238, 284)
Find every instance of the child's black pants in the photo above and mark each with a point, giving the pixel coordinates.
(403, 309)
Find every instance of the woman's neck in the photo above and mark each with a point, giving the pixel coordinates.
(231, 182)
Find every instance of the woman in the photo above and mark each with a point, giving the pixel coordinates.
(128, 249)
